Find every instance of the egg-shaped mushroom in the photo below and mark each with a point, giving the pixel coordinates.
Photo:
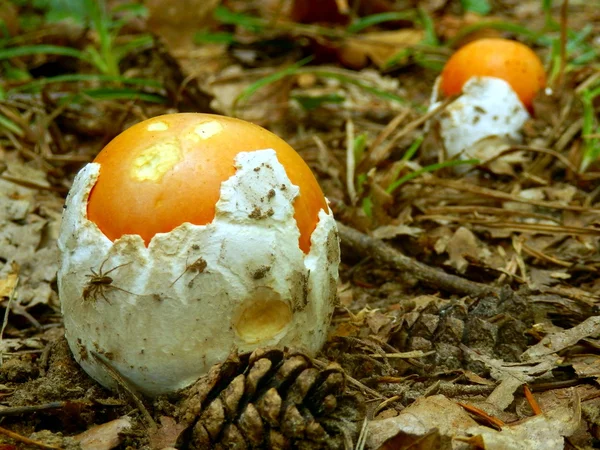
(190, 235)
(497, 80)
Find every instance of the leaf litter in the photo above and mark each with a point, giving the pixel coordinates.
(461, 290)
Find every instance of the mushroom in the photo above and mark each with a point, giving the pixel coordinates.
(498, 79)
(190, 235)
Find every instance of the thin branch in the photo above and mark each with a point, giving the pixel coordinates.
(26, 440)
(367, 246)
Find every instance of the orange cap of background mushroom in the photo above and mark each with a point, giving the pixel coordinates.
(508, 60)
(168, 170)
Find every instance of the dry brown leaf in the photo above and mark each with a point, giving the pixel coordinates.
(105, 436)
(546, 431)
(511, 375)
(378, 46)
(9, 281)
(167, 434)
(177, 22)
(465, 244)
(586, 365)
(392, 231)
(419, 420)
(556, 342)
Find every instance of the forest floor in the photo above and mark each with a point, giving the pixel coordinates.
(469, 294)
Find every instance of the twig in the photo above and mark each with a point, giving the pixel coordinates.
(365, 245)
(5, 321)
(25, 440)
(122, 382)
(535, 407)
(404, 355)
(18, 410)
(564, 16)
(362, 438)
(498, 195)
(350, 162)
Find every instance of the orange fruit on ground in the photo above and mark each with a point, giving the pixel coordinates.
(509, 60)
(168, 170)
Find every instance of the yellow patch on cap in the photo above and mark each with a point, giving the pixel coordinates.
(205, 130)
(155, 161)
(157, 126)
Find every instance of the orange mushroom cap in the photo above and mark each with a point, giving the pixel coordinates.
(168, 170)
(509, 60)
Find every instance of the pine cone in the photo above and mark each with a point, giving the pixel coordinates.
(271, 399)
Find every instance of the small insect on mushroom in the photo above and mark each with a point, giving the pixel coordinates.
(99, 282)
(197, 266)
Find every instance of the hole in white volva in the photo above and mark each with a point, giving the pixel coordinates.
(262, 316)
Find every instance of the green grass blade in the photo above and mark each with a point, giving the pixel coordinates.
(481, 7)
(79, 77)
(538, 38)
(429, 27)
(204, 37)
(375, 19)
(5, 122)
(366, 87)
(431, 168)
(412, 149)
(269, 79)
(28, 50)
(114, 94)
(228, 17)
(140, 42)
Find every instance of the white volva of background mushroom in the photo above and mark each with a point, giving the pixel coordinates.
(194, 294)
(483, 121)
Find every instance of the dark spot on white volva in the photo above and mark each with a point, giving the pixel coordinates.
(259, 214)
(333, 247)
(99, 283)
(261, 272)
(299, 290)
(479, 109)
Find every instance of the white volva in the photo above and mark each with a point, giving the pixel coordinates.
(485, 120)
(170, 310)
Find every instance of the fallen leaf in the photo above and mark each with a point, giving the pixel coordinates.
(167, 434)
(465, 244)
(546, 431)
(105, 436)
(378, 46)
(558, 341)
(419, 420)
(511, 375)
(392, 231)
(177, 22)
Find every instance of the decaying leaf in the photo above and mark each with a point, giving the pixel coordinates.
(555, 342)
(511, 375)
(378, 46)
(546, 431)
(105, 436)
(420, 420)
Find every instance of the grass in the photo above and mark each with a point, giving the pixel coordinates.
(104, 58)
(590, 129)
